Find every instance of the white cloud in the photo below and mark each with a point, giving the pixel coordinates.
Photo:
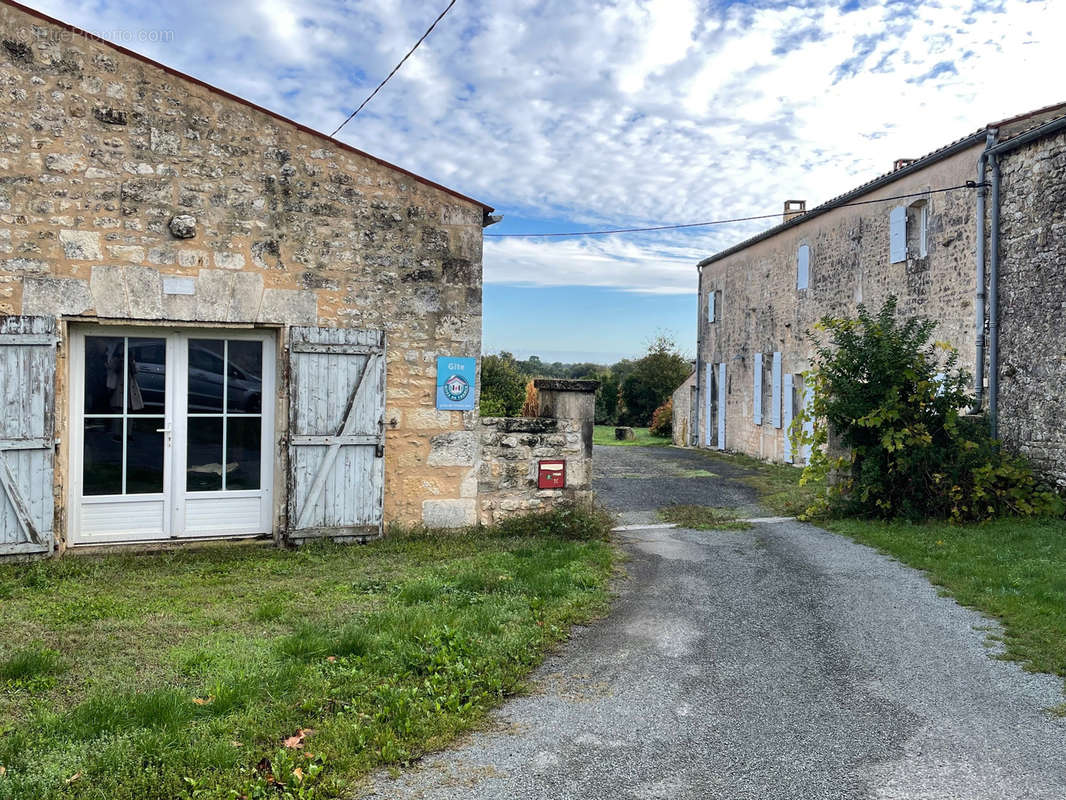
(622, 112)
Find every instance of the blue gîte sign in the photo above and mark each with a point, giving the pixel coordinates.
(455, 383)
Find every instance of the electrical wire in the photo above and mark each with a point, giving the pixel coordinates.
(967, 185)
(395, 69)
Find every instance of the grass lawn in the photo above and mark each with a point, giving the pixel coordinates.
(229, 671)
(604, 434)
(1011, 569)
(777, 484)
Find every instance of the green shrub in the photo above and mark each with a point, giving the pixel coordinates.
(582, 521)
(502, 387)
(892, 398)
(662, 421)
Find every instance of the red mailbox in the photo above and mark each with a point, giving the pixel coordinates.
(551, 474)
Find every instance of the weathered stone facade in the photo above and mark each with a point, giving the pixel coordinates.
(1032, 303)
(759, 308)
(511, 448)
(683, 403)
(118, 176)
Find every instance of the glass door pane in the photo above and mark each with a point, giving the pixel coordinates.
(225, 421)
(124, 410)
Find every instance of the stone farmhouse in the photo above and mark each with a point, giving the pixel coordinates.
(215, 322)
(972, 235)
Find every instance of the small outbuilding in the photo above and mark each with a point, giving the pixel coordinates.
(216, 322)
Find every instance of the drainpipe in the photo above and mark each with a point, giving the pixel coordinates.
(695, 413)
(979, 327)
(993, 304)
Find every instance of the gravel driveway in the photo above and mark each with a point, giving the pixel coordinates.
(781, 662)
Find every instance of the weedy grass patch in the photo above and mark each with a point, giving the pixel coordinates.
(704, 518)
(778, 485)
(243, 671)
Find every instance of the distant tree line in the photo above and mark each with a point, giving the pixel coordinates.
(630, 390)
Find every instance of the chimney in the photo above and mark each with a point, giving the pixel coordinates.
(900, 163)
(793, 208)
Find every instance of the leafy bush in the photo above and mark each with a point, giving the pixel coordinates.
(892, 399)
(662, 421)
(502, 387)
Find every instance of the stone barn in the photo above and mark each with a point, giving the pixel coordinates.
(215, 322)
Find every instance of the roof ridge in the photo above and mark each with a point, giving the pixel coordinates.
(243, 101)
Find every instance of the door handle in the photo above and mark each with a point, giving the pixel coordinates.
(162, 430)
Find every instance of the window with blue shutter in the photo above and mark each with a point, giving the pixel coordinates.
(775, 391)
(721, 406)
(756, 391)
(786, 406)
(897, 235)
(712, 311)
(803, 267)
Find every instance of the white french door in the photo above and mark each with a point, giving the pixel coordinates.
(171, 433)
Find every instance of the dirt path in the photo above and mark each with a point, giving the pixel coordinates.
(780, 662)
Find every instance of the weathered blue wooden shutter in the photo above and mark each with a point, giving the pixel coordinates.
(803, 266)
(708, 383)
(756, 391)
(721, 406)
(775, 390)
(923, 230)
(897, 233)
(711, 310)
(786, 414)
(336, 432)
(808, 422)
(27, 428)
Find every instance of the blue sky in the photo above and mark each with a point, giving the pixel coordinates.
(616, 113)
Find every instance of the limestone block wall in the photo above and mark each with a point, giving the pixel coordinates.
(117, 175)
(760, 309)
(1032, 298)
(684, 416)
(510, 450)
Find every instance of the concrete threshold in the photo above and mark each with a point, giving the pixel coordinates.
(645, 527)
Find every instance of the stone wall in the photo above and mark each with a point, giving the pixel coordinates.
(1032, 401)
(510, 450)
(684, 417)
(760, 309)
(117, 174)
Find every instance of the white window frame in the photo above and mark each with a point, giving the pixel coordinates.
(175, 424)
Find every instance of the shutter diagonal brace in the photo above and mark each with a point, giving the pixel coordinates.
(22, 513)
(347, 423)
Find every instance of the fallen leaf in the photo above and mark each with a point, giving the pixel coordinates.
(309, 755)
(298, 774)
(72, 778)
(3, 770)
(236, 744)
(201, 701)
(331, 659)
(297, 739)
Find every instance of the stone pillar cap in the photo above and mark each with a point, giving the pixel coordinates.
(565, 385)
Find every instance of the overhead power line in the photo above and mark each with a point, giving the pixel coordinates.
(967, 185)
(429, 30)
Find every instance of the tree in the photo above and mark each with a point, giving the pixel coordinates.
(652, 380)
(503, 388)
(892, 398)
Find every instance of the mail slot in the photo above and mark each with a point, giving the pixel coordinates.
(551, 474)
